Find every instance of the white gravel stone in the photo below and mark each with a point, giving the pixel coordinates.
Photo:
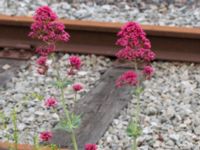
(32, 115)
(161, 12)
(170, 111)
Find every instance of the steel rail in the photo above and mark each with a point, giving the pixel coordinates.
(90, 37)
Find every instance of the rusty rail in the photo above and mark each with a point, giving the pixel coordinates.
(169, 43)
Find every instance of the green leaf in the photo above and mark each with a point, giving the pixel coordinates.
(36, 142)
(53, 147)
(133, 130)
(37, 96)
(3, 120)
(62, 83)
(75, 120)
(2, 116)
(139, 90)
(69, 126)
(63, 125)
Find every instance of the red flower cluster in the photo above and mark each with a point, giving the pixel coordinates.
(132, 35)
(148, 71)
(135, 43)
(136, 46)
(90, 147)
(75, 63)
(42, 60)
(51, 102)
(45, 14)
(45, 136)
(127, 78)
(130, 54)
(45, 50)
(42, 66)
(77, 87)
(45, 28)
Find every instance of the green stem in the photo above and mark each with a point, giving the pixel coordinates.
(137, 111)
(137, 95)
(74, 141)
(53, 147)
(75, 96)
(15, 134)
(36, 142)
(62, 91)
(135, 66)
(65, 108)
(3, 119)
(134, 146)
(56, 67)
(137, 114)
(73, 137)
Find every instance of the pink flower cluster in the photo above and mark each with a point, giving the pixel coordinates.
(45, 14)
(132, 35)
(90, 147)
(136, 46)
(127, 78)
(46, 28)
(51, 102)
(45, 50)
(77, 87)
(148, 72)
(130, 54)
(45, 136)
(75, 64)
(135, 43)
(42, 66)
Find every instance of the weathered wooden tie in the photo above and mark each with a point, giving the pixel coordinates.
(10, 71)
(99, 107)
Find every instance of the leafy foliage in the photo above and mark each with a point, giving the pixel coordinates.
(69, 126)
(139, 90)
(3, 120)
(62, 83)
(133, 129)
(33, 95)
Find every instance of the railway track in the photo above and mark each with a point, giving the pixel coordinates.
(88, 37)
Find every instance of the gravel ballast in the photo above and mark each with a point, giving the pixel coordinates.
(33, 117)
(154, 12)
(170, 106)
(170, 112)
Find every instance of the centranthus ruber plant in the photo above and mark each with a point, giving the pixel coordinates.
(90, 147)
(137, 50)
(47, 29)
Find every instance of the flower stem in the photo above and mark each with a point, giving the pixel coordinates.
(134, 146)
(15, 134)
(56, 67)
(137, 114)
(75, 96)
(65, 108)
(36, 142)
(137, 111)
(73, 136)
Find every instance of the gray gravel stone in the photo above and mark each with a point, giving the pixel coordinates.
(32, 115)
(166, 111)
(161, 12)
